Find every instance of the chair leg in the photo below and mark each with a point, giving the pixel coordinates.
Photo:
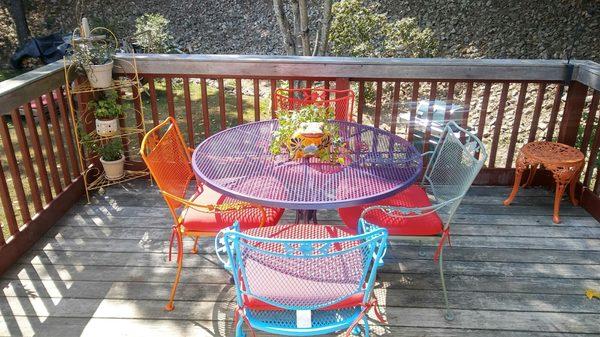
(239, 328)
(366, 323)
(170, 306)
(195, 248)
(449, 315)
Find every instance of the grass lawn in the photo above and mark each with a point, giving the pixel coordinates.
(162, 109)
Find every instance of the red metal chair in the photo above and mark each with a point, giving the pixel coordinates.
(424, 211)
(201, 212)
(342, 101)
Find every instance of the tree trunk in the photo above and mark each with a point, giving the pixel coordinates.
(17, 11)
(325, 24)
(304, 36)
(284, 27)
(296, 17)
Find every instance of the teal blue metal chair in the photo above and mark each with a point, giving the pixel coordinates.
(303, 280)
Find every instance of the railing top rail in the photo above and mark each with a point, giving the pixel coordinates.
(17, 90)
(265, 66)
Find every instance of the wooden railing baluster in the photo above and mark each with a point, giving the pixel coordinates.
(361, 102)
(43, 123)
(498, 124)
(26, 157)
(516, 125)
(37, 150)
(536, 112)
(153, 105)
(395, 97)
(257, 99)
(170, 99)
(378, 99)
(205, 116)
(14, 170)
(66, 125)
(239, 100)
(58, 138)
(432, 98)
(222, 112)
(7, 206)
(188, 111)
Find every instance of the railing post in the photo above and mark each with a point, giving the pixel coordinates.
(342, 83)
(572, 114)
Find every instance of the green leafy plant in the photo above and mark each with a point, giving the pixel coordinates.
(95, 52)
(108, 107)
(358, 29)
(108, 151)
(151, 33)
(291, 120)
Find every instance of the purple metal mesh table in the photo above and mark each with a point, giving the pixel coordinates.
(236, 162)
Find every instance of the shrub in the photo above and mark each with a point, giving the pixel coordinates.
(357, 29)
(151, 33)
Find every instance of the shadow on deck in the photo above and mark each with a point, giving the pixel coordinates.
(103, 270)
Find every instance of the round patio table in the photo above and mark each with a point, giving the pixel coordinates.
(237, 162)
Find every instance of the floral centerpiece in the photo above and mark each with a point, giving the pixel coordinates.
(308, 132)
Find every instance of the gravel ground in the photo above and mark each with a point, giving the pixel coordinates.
(466, 28)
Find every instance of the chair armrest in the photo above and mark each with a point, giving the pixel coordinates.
(220, 208)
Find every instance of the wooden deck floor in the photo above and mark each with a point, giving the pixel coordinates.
(102, 271)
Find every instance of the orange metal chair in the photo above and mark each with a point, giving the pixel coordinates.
(206, 211)
(342, 101)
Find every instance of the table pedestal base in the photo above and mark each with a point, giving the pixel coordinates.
(306, 216)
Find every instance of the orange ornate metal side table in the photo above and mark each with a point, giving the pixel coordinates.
(565, 163)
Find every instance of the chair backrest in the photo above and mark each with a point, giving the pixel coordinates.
(168, 159)
(342, 101)
(456, 161)
(300, 271)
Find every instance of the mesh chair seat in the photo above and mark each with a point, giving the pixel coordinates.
(413, 197)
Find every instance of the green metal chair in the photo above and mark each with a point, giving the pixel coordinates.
(425, 211)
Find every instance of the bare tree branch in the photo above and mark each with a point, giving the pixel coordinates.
(304, 27)
(284, 27)
(325, 24)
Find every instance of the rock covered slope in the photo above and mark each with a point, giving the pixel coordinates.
(466, 28)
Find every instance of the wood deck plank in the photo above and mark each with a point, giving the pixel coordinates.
(103, 270)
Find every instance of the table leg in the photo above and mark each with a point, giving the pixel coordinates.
(306, 216)
(560, 190)
(518, 175)
(532, 172)
(572, 185)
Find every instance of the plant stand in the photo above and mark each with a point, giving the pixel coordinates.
(132, 124)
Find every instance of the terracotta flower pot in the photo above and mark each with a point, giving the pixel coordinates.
(100, 76)
(114, 170)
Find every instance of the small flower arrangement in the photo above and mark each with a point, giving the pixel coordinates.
(308, 132)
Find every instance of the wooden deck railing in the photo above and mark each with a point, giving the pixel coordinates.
(39, 171)
(510, 103)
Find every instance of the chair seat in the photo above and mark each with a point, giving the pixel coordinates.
(195, 220)
(254, 303)
(412, 197)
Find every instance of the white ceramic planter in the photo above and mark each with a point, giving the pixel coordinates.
(114, 170)
(107, 128)
(100, 76)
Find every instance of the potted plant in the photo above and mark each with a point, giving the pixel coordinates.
(307, 132)
(110, 153)
(95, 57)
(107, 112)
(112, 159)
